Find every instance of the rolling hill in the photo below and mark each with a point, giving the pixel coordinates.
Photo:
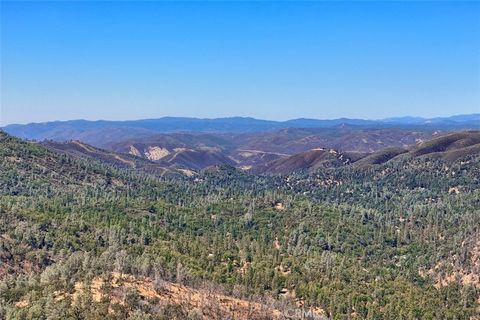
(310, 160)
(185, 154)
(246, 143)
(122, 160)
(82, 234)
(448, 147)
(254, 149)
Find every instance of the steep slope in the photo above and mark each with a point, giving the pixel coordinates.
(80, 149)
(342, 138)
(380, 156)
(247, 159)
(193, 151)
(171, 154)
(172, 141)
(219, 305)
(24, 162)
(59, 212)
(448, 147)
(444, 145)
(311, 160)
(197, 159)
(242, 142)
(256, 149)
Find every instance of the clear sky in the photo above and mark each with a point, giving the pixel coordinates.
(271, 60)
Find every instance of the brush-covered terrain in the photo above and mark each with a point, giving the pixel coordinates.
(394, 237)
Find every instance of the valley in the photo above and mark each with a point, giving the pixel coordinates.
(239, 160)
(279, 153)
(340, 234)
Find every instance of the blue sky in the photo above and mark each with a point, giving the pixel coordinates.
(272, 60)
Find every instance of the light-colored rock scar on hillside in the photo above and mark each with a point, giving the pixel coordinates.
(134, 151)
(154, 153)
(187, 172)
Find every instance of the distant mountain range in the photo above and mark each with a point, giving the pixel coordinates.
(167, 146)
(120, 130)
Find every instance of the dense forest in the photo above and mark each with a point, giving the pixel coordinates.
(82, 239)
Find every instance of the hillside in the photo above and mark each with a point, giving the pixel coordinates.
(310, 160)
(444, 145)
(173, 155)
(256, 149)
(283, 141)
(86, 238)
(171, 159)
(154, 160)
(246, 143)
(51, 172)
(197, 159)
(341, 138)
(28, 167)
(448, 147)
(128, 161)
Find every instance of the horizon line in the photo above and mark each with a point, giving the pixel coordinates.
(245, 117)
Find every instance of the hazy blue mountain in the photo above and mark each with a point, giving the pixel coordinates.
(457, 120)
(120, 130)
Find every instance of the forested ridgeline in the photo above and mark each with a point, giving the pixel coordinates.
(80, 239)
